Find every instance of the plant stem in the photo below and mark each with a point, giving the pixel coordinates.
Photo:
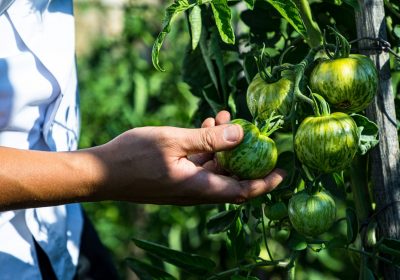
(265, 235)
(371, 255)
(313, 32)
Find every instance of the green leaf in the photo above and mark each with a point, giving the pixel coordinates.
(297, 242)
(147, 271)
(222, 14)
(390, 247)
(193, 263)
(177, 7)
(368, 131)
(352, 3)
(366, 274)
(334, 183)
(352, 225)
(250, 4)
(290, 12)
(222, 221)
(336, 242)
(195, 25)
(396, 30)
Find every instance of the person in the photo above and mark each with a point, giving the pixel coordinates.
(44, 233)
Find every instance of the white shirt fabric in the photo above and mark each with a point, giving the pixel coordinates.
(38, 110)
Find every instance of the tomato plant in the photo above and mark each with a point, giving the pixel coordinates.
(303, 72)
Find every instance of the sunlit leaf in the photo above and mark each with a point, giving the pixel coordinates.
(368, 132)
(291, 13)
(222, 14)
(195, 25)
(176, 8)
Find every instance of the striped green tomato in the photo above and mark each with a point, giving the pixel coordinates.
(327, 143)
(312, 214)
(263, 98)
(348, 84)
(253, 158)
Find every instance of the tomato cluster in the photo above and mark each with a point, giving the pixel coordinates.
(323, 143)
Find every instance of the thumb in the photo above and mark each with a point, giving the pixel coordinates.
(211, 139)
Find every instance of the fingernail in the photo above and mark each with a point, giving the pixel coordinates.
(232, 133)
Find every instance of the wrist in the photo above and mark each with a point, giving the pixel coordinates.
(87, 166)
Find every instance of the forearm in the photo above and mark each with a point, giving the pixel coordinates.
(36, 178)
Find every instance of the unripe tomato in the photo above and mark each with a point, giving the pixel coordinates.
(276, 211)
(312, 214)
(348, 84)
(253, 158)
(280, 234)
(327, 143)
(264, 98)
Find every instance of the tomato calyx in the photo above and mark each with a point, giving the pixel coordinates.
(321, 107)
(342, 46)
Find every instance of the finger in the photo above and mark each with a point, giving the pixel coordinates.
(208, 140)
(222, 117)
(200, 159)
(209, 122)
(207, 187)
(254, 188)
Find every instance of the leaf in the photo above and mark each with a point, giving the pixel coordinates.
(195, 25)
(368, 132)
(147, 271)
(352, 225)
(353, 3)
(336, 242)
(250, 4)
(174, 9)
(390, 247)
(193, 263)
(291, 13)
(297, 242)
(222, 221)
(334, 183)
(396, 30)
(222, 14)
(366, 274)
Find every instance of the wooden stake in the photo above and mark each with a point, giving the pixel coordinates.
(385, 158)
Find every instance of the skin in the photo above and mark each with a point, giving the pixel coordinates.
(158, 165)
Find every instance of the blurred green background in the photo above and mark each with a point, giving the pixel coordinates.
(120, 90)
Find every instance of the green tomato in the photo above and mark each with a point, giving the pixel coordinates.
(263, 98)
(327, 143)
(253, 158)
(280, 234)
(348, 84)
(276, 211)
(312, 214)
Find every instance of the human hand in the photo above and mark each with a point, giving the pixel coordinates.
(169, 165)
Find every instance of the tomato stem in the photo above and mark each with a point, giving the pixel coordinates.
(313, 32)
(264, 234)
